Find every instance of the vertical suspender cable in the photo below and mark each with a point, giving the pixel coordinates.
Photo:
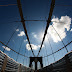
(46, 54)
(20, 47)
(51, 47)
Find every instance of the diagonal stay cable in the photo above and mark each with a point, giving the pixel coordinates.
(60, 38)
(63, 5)
(13, 49)
(11, 36)
(48, 22)
(59, 49)
(23, 23)
(20, 48)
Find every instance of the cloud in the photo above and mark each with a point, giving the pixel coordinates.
(34, 35)
(17, 29)
(60, 26)
(34, 47)
(71, 30)
(21, 33)
(6, 48)
(41, 37)
(25, 40)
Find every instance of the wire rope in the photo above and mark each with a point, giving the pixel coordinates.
(23, 23)
(48, 22)
(13, 50)
(51, 47)
(46, 54)
(11, 37)
(20, 47)
(60, 38)
(59, 49)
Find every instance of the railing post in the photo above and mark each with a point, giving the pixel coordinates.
(4, 64)
(19, 69)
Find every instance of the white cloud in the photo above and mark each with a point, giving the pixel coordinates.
(21, 33)
(6, 48)
(34, 35)
(42, 35)
(34, 47)
(60, 25)
(71, 30)
(25, 40)
(17, 29)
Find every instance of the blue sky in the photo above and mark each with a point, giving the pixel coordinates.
(38, 10)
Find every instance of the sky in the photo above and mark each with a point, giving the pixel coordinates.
(60, 29)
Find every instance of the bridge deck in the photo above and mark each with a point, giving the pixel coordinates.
(9, 65)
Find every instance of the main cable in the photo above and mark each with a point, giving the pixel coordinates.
(48, 22)
(23, 23)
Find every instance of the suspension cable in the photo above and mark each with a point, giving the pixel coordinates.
(46, 53)
(60, 38)
(51, 47)
(63, 5)
(20, 48)
(46, 48)
(59, 49)
(9, 5)
(48, 22)
(38, 20)
(55, 5)
(23, 23)
(24, 54)
(23, 61)
(13, 50)
(11, 37)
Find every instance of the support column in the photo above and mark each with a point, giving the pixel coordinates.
(41, 63)
(36, 59)
(35, 65)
